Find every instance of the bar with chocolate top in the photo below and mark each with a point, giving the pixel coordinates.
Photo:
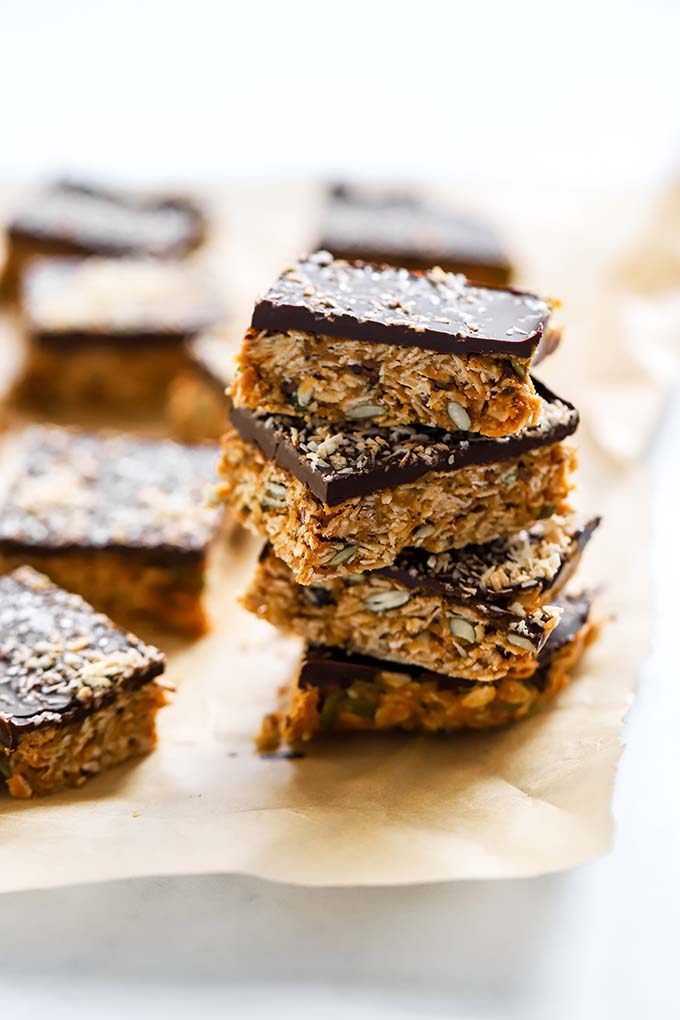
(70, 218)
(119, 520)
(402, 228)
(198, 403)
(339, 692)
(110, 331)
(339, 500)
(476, 613)
(77, 694)
(351, 340)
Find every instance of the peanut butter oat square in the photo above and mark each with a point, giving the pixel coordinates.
(77, 694)
(120, 520)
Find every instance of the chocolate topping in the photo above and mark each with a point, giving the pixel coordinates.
(73, 491)
(336, 466)
(59, 659)
(324, 667)
(497, 573)
(435, 310)
(402, 229)
(128, 302)
(77, 219)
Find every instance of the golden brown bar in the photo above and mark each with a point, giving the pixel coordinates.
(403, 228)
(72, 218)
(475, 613)
(339, 693)
(77, 694)
(335, 503)
(109, 332)
(120, 520)
(352, 340)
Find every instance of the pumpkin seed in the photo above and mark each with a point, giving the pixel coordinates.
(366, 411)
(462, 628)
(384, 600)
(521, 642)
(342, 556)
(458, 415)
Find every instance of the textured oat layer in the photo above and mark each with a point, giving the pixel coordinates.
(136, 378)
(285, 373)
(394, 701)
(457, 636)
(51, 758)
(439, 511)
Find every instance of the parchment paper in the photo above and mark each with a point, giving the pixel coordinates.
(531, 799)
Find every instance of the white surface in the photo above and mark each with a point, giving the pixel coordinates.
(165, 88)
(568, 92)
(600, 941)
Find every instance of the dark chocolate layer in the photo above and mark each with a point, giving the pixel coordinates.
(77, 219)
(130, 303)
(324, 667)
(380, 304)
(403, 229)
(366, 459)
(59, 659)
(73, 492)
(459, 574)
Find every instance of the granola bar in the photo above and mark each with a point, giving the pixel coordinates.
(69, 218)
(335, 503)
(401, 228)
(77, 694)
(350, 340)
(120, 520)
(337, 692)
(110, 331)
(477, 613)
(198, 405)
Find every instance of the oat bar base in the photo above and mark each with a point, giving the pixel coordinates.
(404, 704)
(441, 510)
(52, 758)
(286, 373)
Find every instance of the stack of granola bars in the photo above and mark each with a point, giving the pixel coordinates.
(411, 479)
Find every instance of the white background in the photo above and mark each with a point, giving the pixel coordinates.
(562, 94)
(556, 91)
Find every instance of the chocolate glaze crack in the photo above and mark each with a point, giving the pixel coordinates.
(381, 304)
(336, 466)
